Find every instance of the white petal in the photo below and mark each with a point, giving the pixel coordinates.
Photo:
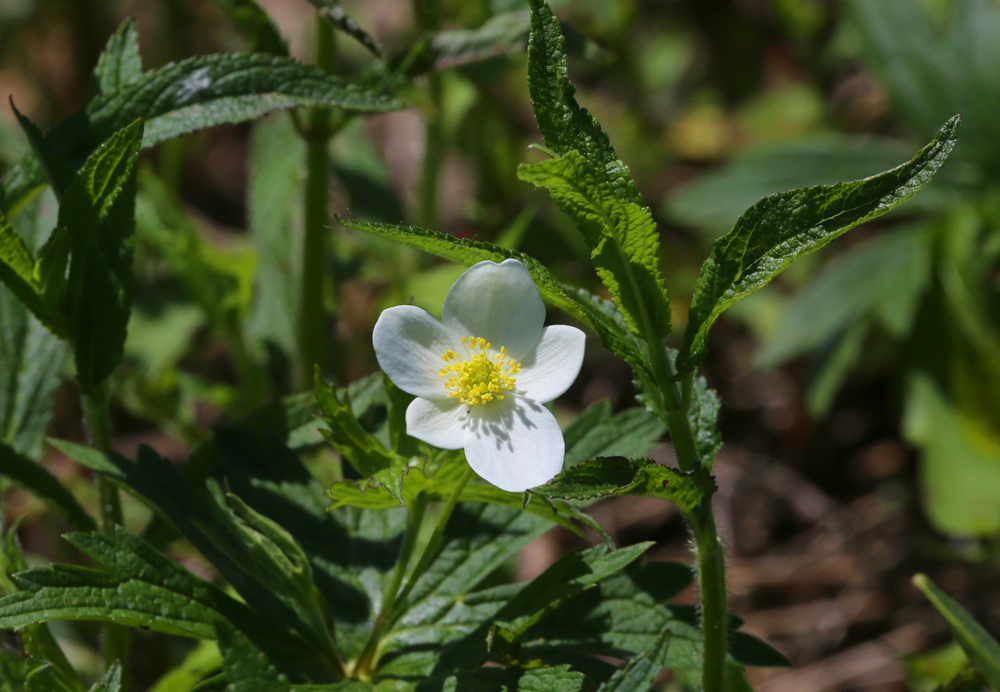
(515, 444)
(409, 343)
(552, 365)
(498, 302)
(439, 423)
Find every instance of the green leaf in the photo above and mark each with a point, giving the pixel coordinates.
(714, 201)
(785, 226)
(596, 432)
(604, 476)
(112, 680)
(883, 278)
(194, 94)
(437, 484)
(565, 126)
(47, 666)
(201, 661)
(594, 312)
(32, 356)
(256, 25)
(275, 170)
(621, 234)
(221, 282)
(54, 164)
(374, 462)
(960, 465)
(641, 672)
(37, 480)
(566, 578)
(158, 483)
(935, 64)
(97, 219)
(246, 668)
(982, 649)
(331, 11)
(17, 270)
(703, 413)
(120, 63)
(751, 651)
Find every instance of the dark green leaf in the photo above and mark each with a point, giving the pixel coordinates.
(54, 165)
(561, 582)
(37, 480)
(197, 93)
(621, 234)
(592, 311)
(246, 668)
(641, 672)
(157, 482)
(120, 63)
(331, 11)
(596, 432)
(97, 216)
(751, 651)
(565, 126)
(782, 227)
(982, 649)
(621, 475)
(256, 25)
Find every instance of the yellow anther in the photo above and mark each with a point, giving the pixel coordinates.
(482, 376)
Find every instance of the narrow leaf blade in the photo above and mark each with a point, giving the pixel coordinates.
(785, 226)
(982, 649)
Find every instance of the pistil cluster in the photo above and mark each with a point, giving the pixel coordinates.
(482, 375)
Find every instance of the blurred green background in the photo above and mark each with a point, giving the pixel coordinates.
(861, 391)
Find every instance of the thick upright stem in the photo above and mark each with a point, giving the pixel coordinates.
(95, 407)
(430, 170)
(712, 581)
(711, 554)
(312, 314)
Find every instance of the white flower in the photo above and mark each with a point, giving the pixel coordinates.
(482, 373)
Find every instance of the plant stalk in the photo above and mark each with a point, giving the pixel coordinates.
(312, 312)
(395, 604)
(710, 553)
(95, 408)
(711, 558)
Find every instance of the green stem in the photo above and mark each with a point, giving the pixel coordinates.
(312, 313)
(712, 580)
(711, 555)
(396, 603)
(95, 408)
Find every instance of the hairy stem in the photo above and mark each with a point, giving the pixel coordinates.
(115, 643)
(712, 581)
(711, 555)
(312, 313)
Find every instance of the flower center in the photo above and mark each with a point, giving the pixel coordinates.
(483, 375)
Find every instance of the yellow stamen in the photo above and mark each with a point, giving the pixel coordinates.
(480, 377)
